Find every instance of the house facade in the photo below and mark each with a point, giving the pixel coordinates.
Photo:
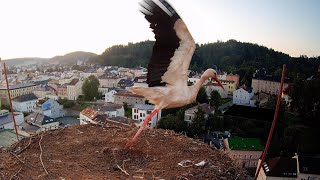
(25, 103)
(50, 108)
(44, 122)
(6, 120)
(141, 111)
(128, 97)
(267, 86)
(74, 89)
(216, 87)
(109, 96)
(62, 91)
(190, 113)
(87, 115)
(110, 109)
(109, 81)
(15, 91)
(231, 85)
(243, 96)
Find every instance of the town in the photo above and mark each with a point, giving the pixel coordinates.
(235, 119)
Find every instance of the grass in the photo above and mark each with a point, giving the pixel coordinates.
(238, 143)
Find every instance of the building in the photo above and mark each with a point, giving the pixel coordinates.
(215, 87)
(233, 77)
(125, 83)
(62, 91)
(25, 103)
(44, 122)
(110, 109)
(141, 111)
(279, 168)
(74, 89)
(262, 82)
(42, 91)
(50, 108)
(90, 115)
(243, 96)
(6, 120)
(128, 97)
(15, 91)
(87, 115)
(109, 81)
(247, 151)
(231, 85)
(190, 113)
(88, 72)
(109, 96)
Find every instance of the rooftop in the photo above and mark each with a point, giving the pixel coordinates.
(17, 86)
(144, 106)
(25, 97)
(89, 112)
(38, 119)
(127, 93)
(250, 144)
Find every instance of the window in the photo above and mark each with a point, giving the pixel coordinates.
(250, 156)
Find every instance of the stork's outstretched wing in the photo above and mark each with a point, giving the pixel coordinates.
(173, 48)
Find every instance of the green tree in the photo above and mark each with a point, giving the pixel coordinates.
(215, 99)
(90, 88)
(197, 126)
(174, 122)
(202, 95)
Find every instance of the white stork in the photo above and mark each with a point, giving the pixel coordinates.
(169, 63)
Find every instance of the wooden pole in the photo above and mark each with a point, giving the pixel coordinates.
(12, 113)
(273, 123)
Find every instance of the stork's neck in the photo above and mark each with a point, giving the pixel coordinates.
(196, 87)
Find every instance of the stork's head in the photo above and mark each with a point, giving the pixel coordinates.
(211, 73)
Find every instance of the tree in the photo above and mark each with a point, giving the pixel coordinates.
(174, 122)
(202, 95)
(215, 99)
(197, 126)
(90, 88)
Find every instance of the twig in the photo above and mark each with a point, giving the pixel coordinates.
(123, 170)
(17, 157)
(25, 147)
(16, 173)
(41, 155)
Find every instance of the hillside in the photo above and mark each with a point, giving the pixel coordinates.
(24, 61)
(231, 56)
(93, 152)
(73, 57)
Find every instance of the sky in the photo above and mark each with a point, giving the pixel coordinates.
(46, 28)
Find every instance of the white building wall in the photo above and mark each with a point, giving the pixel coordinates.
(242, 97)
(140, 116)
(26, 106)
(109, 96)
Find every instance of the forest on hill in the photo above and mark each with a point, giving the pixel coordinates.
(230, 56)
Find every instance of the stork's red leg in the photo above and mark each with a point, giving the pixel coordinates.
(157, 120)
(145, 122)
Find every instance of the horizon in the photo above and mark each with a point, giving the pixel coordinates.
(145, 41)
(55, 28)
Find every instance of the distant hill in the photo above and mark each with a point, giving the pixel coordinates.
(73, 57)
(23, 61)
(231, 56)
(70, 58)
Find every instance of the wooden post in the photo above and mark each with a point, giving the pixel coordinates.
(273, 123)
(12, 113)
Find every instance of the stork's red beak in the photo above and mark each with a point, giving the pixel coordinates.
(218, 81)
